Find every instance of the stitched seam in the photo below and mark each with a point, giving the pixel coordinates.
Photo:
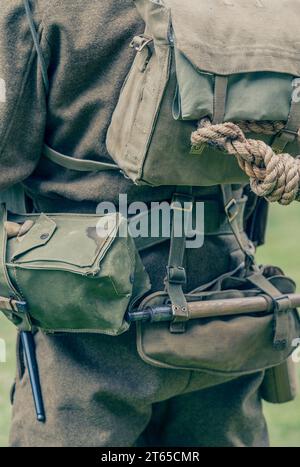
(163, 82)
(20, 291)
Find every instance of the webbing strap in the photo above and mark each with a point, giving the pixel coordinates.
(72, 163)
(182, 203)
(216, 223)
(282, 305)
(220, 94)
(291, 131)
(232, 212)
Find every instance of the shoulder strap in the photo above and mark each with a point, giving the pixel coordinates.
(291, 131)
(281, 302)
(220, 94)
(72, 163)
(232, 211)
(176, 275)
(81, 165)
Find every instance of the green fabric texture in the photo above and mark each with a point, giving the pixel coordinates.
(75, 272)
(233, 345)
(229, 37)
(193, 42)
(251, 96)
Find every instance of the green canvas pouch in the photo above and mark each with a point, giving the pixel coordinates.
(231, 345)
(70, 272)
(188, 49)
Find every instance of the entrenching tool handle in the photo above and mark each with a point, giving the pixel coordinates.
(212, 308)
(151, 314)
(31, 363)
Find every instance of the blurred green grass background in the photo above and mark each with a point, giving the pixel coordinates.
(282, 249)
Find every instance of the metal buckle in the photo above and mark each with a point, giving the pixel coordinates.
(18, 306)
(282, 303)
(232, 210)
(176, 275)
(22, 307)
(279, 142)
(144, 41)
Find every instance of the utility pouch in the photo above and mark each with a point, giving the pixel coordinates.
(231, 345)
(69, 272)
(223, 61)
(280, 383)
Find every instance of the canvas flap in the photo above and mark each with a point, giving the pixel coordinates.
(232, 36)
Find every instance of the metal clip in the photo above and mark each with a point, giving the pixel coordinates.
(138, 43)
(232, 210)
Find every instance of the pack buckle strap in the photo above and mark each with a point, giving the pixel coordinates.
(176, 275)
(231, 208)
(281, 306)
(16, 311)
(291, 131)
(182, 201)
(138, 43)
(12, 305)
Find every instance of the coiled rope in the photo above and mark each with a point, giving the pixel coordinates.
(273, 176)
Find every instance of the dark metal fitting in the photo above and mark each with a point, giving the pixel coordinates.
(282, 303)
(232, 210)
(176, 275)
(140, 42)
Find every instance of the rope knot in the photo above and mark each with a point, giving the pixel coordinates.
(274, 176)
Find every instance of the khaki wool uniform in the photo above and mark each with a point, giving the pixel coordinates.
(97, 391)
